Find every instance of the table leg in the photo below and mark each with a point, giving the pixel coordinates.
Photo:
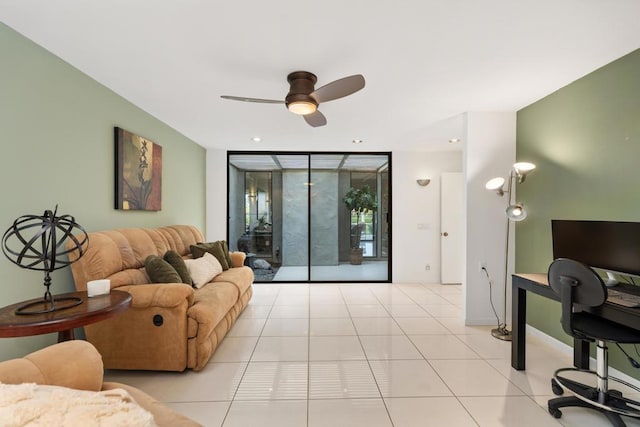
(519, 323)
(67, 335)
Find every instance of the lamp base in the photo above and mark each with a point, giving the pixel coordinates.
(48, 306)
(502, 333)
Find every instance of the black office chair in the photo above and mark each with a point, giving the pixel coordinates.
(580, 286)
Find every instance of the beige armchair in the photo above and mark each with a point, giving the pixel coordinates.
(78, 365)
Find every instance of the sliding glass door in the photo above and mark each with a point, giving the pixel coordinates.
(346, 238)
(320, 217)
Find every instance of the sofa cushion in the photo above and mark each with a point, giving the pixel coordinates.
(177, 262)
(211, 304)
(203, 269)
(241, 277)
(214, 248)
(160, 271)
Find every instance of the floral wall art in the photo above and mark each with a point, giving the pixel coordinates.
(138, 172)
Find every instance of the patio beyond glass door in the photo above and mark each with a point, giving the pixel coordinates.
(287, 212)
(345, 244)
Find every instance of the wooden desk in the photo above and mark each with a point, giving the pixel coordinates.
(91, 310)
(537, 283)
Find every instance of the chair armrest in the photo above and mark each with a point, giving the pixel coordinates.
(74, 364)
(158, 294)
(237, 258)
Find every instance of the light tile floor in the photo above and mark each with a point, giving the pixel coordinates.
(326, 355)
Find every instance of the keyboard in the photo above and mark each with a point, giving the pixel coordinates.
(624, 299)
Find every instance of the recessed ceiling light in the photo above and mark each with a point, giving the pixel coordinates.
(357, 141)
(454, 140)
(256, 139)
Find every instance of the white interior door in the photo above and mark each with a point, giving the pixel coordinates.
(451, 227)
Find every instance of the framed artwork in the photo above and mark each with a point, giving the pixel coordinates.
(138, 172)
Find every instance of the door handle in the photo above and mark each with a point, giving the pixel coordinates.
(445, 234)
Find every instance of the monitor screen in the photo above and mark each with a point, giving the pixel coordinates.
(608, 245)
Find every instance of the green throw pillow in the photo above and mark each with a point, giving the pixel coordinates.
(225, 248)
(176, 261)
(160, 271)
(214, 248)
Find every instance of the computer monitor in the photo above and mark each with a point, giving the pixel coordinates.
(612, 246)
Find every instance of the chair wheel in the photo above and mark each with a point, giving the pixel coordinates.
(556, 389)
(555, 413)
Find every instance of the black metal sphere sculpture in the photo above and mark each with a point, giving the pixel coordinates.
(36, 243)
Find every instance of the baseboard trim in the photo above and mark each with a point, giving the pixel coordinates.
(488, 321)
(568, 350)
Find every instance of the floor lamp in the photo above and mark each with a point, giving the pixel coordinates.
(514, 212)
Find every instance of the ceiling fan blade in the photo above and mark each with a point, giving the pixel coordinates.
(339, 88)
(315, 119)
(242, 98)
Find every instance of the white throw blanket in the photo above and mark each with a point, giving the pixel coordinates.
(43, 405)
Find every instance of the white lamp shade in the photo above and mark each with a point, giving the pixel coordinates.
(516, 212)
(494, 184)
(524, 167)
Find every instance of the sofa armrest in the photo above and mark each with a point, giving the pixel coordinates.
(159, 294)
(237, 258)
(74, 364)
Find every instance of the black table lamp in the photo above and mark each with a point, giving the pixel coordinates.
(37, 243)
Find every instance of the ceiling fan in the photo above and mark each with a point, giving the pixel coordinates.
(303, 98)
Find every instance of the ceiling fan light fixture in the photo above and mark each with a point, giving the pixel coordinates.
(303, 98)
(302, 108)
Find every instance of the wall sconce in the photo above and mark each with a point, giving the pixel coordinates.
(423, 182)
(514, 212)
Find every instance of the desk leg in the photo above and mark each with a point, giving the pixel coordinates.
(580, 354)
(519, 323)
(67, 335)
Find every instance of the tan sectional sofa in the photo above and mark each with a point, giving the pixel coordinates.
(170, 326)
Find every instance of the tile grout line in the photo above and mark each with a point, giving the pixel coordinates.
(384, 403)
(442, 379)
(233, 398)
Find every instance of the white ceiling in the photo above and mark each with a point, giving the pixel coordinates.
(425, 61)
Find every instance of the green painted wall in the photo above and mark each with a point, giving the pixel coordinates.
(56, 147)
(585, 140)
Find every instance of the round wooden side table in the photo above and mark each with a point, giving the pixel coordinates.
(63, 322)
